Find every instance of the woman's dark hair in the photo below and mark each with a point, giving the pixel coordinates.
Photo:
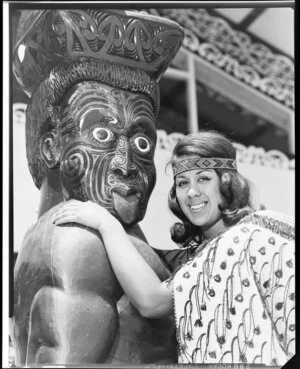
(235, 189)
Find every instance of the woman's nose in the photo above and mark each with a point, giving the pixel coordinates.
(192, 192)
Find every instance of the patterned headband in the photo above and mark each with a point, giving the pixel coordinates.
(203, 163)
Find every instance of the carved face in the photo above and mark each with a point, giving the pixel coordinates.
(108, 139)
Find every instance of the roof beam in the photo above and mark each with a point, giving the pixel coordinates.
(245, 96)
(251, 17)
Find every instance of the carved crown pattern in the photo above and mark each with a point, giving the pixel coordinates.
(52, 38)
(214, 40)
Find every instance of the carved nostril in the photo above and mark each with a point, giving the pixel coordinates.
(120, 172)
(124, 171)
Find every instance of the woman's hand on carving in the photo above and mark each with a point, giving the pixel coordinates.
(86, 213)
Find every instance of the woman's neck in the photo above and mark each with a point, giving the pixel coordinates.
(214, 230)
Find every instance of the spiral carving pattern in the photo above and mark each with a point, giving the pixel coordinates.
(75, 166)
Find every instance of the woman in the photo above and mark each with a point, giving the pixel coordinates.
(233, 296)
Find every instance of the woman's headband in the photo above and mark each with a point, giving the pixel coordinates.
(203, 163)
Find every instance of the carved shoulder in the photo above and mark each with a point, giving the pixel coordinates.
(79, 256)
(73, 255)
(149, 255)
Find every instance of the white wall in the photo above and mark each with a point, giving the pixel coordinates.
(26, 195)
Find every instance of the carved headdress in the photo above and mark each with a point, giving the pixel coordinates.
(57, 49)
(125, 49)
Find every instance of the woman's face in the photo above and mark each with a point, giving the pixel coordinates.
(198, 195)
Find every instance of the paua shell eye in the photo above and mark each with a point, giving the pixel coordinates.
(142, 144)
(102, 134)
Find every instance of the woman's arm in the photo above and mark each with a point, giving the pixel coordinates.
(149, 295)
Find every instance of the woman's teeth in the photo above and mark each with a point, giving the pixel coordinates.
(198, 206)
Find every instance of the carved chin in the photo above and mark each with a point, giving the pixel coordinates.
(126, 207)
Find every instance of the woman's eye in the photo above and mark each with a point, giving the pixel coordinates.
(203, 179)
(102, 134)
(142, 144)
(181, 184)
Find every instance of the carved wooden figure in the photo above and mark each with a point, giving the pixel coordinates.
(92, 76)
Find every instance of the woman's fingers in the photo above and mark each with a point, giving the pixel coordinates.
(66, 219)
(69, 206)
(64, 214)
(87, 213)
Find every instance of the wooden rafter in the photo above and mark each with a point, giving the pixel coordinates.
(251, 17)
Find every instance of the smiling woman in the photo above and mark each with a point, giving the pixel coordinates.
(208, 193)
(236, 268)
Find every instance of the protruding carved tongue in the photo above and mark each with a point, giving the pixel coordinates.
(127, 207)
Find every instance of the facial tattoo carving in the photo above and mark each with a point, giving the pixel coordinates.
(108, 139)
